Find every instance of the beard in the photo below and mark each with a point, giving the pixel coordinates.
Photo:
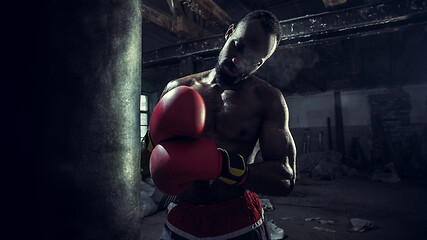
(223, 78)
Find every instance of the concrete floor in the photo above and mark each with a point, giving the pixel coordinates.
(399, 210)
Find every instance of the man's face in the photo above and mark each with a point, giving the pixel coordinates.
(247, 47)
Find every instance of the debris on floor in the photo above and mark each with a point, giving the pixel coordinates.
(311, 219)
(324, 229)
(266, 204)
(321, 165)
(150, 197)
(321, 221)
(147, 204)
(148, 186)
(387, 174)
(351, 172)
(324, 221)
(361, 225)
(276, 232)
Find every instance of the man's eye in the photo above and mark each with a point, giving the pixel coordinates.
(239, 46)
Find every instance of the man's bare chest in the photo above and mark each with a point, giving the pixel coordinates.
(230, 115)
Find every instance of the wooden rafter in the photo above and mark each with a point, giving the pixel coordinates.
(183, 22)
(210, 10)
(313, 29)
(179, 25)
(152, 15)
(176, 7)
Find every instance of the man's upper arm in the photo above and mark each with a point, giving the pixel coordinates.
(171, 85)
(276, 142)
(176, 83)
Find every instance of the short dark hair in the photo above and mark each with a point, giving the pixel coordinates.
(269, 22)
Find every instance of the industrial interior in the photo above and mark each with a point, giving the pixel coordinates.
(352, 72)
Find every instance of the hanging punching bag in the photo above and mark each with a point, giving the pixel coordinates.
(90, 63)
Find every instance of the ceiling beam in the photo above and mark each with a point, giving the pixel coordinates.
(178, 25)
(205, 47)
(354, 22)
(176, 7)
(189, 29)
(314, 29)
(159, 18)
(208, 9)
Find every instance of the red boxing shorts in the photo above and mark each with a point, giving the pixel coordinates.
(222, 220)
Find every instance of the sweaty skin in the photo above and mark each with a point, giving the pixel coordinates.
(244, 114)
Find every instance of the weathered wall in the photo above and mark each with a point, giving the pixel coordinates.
(309, 114)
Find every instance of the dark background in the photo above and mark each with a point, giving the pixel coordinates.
(388, 60)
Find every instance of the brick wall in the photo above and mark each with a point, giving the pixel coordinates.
(391, 127)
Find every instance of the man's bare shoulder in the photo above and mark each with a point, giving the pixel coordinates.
(273, 101)
(189, 81)
(265, 91)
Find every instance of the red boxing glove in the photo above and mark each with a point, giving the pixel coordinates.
(175, 164)
(180, 112)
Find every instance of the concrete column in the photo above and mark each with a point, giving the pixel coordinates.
(90, 67)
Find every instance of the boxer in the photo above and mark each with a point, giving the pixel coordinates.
(204, 134)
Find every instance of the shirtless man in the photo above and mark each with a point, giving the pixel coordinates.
(244, 114)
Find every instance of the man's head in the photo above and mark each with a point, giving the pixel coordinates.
(248, 45)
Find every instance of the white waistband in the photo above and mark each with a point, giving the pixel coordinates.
(221, 237)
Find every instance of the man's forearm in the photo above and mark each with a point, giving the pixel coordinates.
(269, 178)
